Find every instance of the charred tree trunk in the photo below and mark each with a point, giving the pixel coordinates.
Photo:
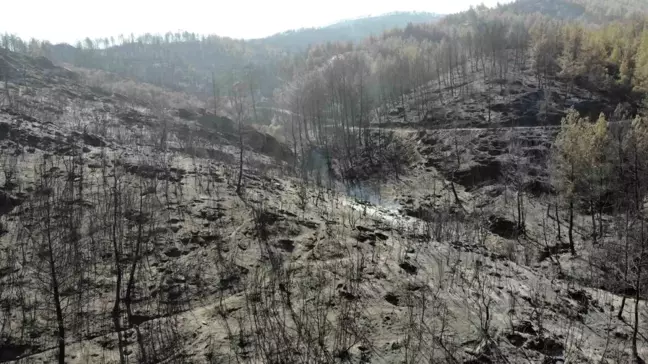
(56, 297)
(116, 310)
(239, 183)
(571, 226)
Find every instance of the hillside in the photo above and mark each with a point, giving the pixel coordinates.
(194, 63)
(134, 213)
(187, 61)
(588, 11)
(469, 190)
(354, 30)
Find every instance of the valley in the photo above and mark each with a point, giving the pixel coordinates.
(427, 196)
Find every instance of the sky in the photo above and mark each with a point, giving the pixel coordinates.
(72, 20)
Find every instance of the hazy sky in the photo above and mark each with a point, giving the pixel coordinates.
(71, 20)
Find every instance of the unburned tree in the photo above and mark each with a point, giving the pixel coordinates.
(567, 161)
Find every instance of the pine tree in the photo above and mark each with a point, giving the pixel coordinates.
(568, 160)
(571, 59)
(598, 170)
(641, 61)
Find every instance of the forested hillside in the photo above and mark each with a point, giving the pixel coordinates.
(200, 64)
(591, 11)
(354, 30)
(187, 61)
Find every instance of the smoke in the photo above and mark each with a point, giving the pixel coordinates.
(365, 192)
(370, 192)
(319, 164)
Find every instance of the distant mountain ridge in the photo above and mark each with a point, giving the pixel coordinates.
(186, 61)
(351, 30)
(591, 11)
(199, 63)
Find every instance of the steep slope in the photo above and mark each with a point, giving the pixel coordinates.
(517, 99)
(103, 188)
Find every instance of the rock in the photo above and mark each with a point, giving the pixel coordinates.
(525, 327)
(269, 218)
(173, 252)
(309, 224)
(621, 335)
(211, 214)
(234, 278)
(381, 236)
(286, 245)
(516, 339)
(7, 203)
(547, 346)
(408, 267)
(392, 298)
(347, 295)
(504, 227)
(287, 213)
(364, 229)
(582, 298)
(174, 292)
(365, 237)
(138, 319)
(414, 287)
